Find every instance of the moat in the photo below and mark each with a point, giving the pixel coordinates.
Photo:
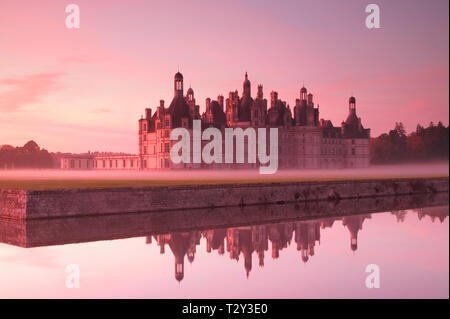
(292, 250)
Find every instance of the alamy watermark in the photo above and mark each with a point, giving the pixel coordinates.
(212, 151)
(73, 278)
(373, 19)
(73, 17)
(373, 279)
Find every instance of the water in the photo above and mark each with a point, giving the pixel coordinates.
(293, 252)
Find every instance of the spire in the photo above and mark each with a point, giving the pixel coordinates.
(246, 85)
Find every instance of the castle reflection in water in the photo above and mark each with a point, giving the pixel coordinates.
(247, 240)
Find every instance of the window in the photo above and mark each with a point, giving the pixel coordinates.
(145, 163)
(166, 147)
(145, 137)
(166, 133)
(124, 163)
(131, 163)
(145, 149)
(167, 123)
(353, 151)
(104, 163)
(166, 162)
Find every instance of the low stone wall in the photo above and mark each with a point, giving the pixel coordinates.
(98, 201)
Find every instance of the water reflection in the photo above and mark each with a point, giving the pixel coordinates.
(241, 232)
(243, 242)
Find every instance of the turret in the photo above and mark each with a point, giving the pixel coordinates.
(178, 84)
(190, 95)
(352, 103)
(260, 94)
(247, 86)
(303, 94)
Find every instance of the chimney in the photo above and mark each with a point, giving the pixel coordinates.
(220, 100)
(148, 113)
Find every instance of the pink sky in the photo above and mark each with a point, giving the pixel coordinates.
(84, 89)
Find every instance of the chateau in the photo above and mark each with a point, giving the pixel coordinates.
(304, 140)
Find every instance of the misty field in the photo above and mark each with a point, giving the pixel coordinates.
(56, 179)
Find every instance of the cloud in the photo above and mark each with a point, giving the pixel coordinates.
(27, 89)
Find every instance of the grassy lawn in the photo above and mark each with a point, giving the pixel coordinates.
(40, 184)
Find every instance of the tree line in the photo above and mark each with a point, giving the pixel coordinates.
(28, 156)
(424, 144)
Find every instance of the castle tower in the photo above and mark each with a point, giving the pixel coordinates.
(178, 84)
(247, 86)
(190, 100)
(190, 94)
(352, 104)
(260, 94)
(303, 95)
